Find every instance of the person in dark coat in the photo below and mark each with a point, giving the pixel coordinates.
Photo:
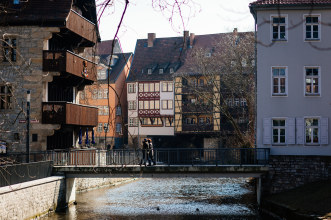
(150, 153)
(144, 152)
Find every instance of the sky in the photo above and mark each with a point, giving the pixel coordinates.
(201, 17)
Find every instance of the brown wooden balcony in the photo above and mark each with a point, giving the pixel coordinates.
(69, 114)
(81, 26)
(66, 61)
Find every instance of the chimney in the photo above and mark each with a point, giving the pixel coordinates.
(151, 38)
(192, 36)
(186, 35)
(235, 31)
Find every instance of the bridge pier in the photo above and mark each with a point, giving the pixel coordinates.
(258, 190)
(70, 191)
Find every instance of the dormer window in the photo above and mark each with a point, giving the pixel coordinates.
(161, 71)
(149, 71)
(171, 70)
(207, 54)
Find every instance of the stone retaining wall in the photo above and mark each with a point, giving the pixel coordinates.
(288, 172)
(32, 199)
(85, 184)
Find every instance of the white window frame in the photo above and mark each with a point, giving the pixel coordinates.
(105, 110)
(312, 24)
(272, 25)
(131, 88)
(105, 93)
(278, 128)
(161, 71)
(100, 127)
(149, 71)
(132, 105)
(318, 127)
(133, 122)
(100, 93)
(279, 78)
(319, 81)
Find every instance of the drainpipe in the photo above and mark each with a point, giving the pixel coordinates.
(28, 98)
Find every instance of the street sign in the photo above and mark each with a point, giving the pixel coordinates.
(22, 121)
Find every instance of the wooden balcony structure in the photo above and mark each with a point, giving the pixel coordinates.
(68, 62)
(81, 26)
(69, 114)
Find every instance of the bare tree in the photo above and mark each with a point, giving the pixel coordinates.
(221, 81)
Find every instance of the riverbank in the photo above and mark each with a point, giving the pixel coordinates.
(311, 201)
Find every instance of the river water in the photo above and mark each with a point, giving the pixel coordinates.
(173, 198)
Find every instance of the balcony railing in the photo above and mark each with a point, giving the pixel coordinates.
(198, 127)
(81, 26)
(66, 61)
(69, 114)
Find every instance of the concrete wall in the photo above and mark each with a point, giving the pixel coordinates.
(30, 199)
(85, 184)
(294, 53)
(288, 172)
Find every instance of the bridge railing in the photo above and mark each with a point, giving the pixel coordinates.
(179, 156)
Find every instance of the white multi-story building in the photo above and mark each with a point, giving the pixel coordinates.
(293, 76)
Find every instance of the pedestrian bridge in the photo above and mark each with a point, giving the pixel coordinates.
(224, 162)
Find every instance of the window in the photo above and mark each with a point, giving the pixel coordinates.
(5, 97)
(312, 86)
(243, 102)
(312, 25)
(118, 128)
(95, 94)
(190, 121)
(161, 71)
(312, 130)
(149, 71)
(279, 75)
(151, 87)
(201, 82)
(278, 131)
(105, 110)
(9, 49)
(100, 93)
(102, 74)
(236, 101)
(105, 93)
(100, 110)
(99, 127)
(132, 105)
(167, 104)
(146, 87)
(106, 127)
(169, 122)
(133, 122)
(131, 88)
(201, 121)
(167, 87)
(171, 70)
(118, 110)
(279, 28)
(152, 104)
(157, 87)
(141, 87)
(229, 102)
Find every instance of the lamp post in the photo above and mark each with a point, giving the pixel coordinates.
(28, 98)
(105, 130)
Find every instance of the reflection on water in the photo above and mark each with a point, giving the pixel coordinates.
(179, 198)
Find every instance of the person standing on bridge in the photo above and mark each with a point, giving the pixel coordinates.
(144, 152)
(150, 153)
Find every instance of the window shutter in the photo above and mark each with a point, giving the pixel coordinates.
(300, 130)
(267, 131)
(290, 130)
(324, 131)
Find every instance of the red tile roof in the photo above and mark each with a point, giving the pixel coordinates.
(289, 2)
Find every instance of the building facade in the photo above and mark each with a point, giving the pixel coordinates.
(110, 96)
(42, 52)
(293, 95)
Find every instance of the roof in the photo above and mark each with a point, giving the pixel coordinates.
(165, 53)
(289, 2)
(208, 43)
(44, 12)
(117, 69)
(105, 47)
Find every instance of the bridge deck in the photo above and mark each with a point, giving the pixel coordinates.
(137, 171)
